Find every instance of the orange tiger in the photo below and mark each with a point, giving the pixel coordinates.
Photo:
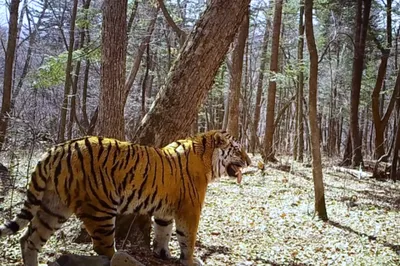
(97, 178)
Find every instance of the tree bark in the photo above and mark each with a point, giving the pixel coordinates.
(68, 78)
(138, 58)
(257, 109)
(270, 128)
(113, 61)
(8, 70)
(236, 76)
(320, 208)
(300, 88)
(192, 75)
(362, 20)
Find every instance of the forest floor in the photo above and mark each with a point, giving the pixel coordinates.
(268, 220)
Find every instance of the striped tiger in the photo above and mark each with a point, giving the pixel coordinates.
(97, 178)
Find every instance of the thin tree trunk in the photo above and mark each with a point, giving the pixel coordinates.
(269, 127)
(257, 109)
(362, 20)
(320, 208)
(68, 78)
(236, 76)
(300, 88)
(138, 58)
(8, 70)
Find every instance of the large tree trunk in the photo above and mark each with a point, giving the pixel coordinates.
(236, 77)
(113, 61)
(112, 103)
(362, 20)
(270, 127)
(257, 109)
(8, 70)
(170, 117)
(320, 208)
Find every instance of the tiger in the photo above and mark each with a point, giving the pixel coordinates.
(98, 178)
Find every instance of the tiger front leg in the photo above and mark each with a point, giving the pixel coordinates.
(162, 235)
(186, 231)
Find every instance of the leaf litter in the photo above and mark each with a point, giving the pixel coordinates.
(268, 220)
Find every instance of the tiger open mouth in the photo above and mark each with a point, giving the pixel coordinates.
(235, 170)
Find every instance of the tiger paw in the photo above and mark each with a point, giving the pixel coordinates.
(162, 253)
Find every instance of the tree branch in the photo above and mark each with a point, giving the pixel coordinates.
(181, 34)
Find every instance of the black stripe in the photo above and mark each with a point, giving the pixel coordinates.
(106, 225)
(204, 142)
(69, 177)
(41, 175)
(45, 224)
(180, 233)
(95, 218)
(25, 214)
(166, 157)
(162, 164)
(108, 154)
(128, 157)
(193, 187)
(154, 195)
(46, 161)
(155, 174)
(101, 148)
(13, 226)
(80, 157)
(116, 152)
(158, 206)
(128, 201)
(138, 208)
(48, 211)
(58, 167)
(182, 187)
(102, 211)
(104, 232)
(35, 184)
(32, 198)
(110, 246)
(146, 202)
(89, 148)
(161, 222)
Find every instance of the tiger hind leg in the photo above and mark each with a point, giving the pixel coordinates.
(162, 235)
(102, 232)
(51, 215)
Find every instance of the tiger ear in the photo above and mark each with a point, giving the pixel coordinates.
(220, 141)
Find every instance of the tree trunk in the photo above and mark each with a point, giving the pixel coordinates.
(8, 70)
(300, 89)
(112, 103)
(362, 20)
(257, 109)
(270, 127)
(192, 75)
(68, 78)
(236, 76)
(138, 58)
(320, 208)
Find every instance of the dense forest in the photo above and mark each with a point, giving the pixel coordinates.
(311, 90)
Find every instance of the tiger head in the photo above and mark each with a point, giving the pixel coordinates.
(229, 157)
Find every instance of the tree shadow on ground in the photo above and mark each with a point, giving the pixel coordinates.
(395, 248)
(210, 250)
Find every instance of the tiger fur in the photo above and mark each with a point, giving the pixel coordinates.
(97, 178)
